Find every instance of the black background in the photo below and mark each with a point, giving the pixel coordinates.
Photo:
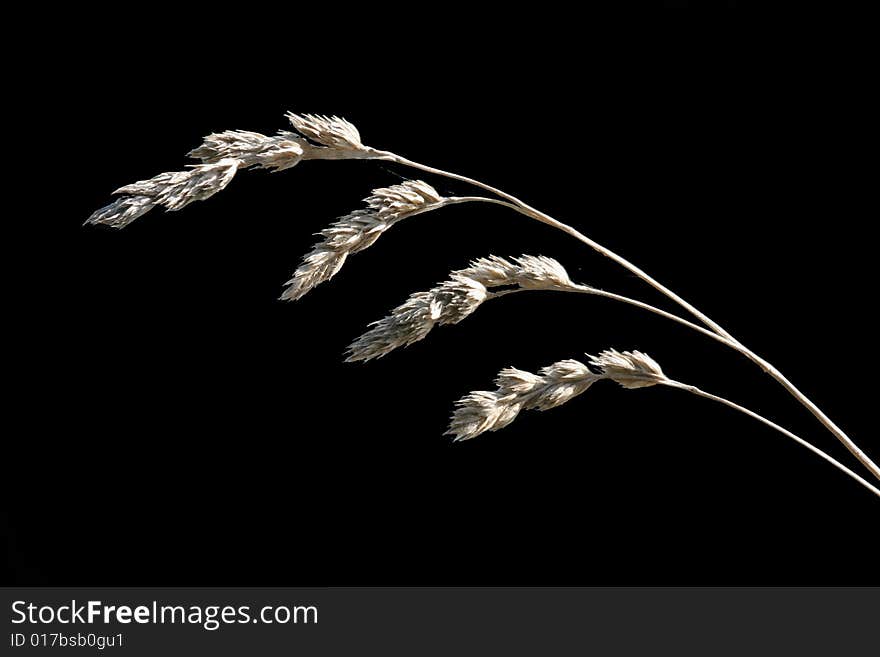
(170, 422)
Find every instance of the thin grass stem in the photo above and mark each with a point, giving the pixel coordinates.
(523, 208)
(760, 418)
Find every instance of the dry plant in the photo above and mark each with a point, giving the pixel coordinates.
(315, 137)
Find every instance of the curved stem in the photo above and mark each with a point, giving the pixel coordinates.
(769, 423)
(586, 289)
(523, 208)
(767, 367)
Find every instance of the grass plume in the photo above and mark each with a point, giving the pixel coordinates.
(316, 137)
(358, 230)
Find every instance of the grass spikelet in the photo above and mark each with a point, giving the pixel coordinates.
(358, 230)
(481, 411)
(451, 301)
(252, 149)
(224, 153)
(527, 272)
(631, 369)
(174, 190)
(329, 131)
(447, 303)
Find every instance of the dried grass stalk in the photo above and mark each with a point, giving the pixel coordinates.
(173, 190)
(356, 231)
(321, 137)
(331, 132)
(252, 149)
(631, 369)
(527, 272)
(481, 411)
(447, 303)
(224, 153)
(452, 300)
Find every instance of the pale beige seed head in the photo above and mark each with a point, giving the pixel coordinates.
(518, 390)
(122, 211)
(447, 303)
(252, 149)
(329, 131)
(631, 369)
(174, 190)
(562, 381)
(526, 271)
(359, 230)
(223, 153)
(466, 288)
(516, 381)
(178, 189)
(398, 201)
(481, 411)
